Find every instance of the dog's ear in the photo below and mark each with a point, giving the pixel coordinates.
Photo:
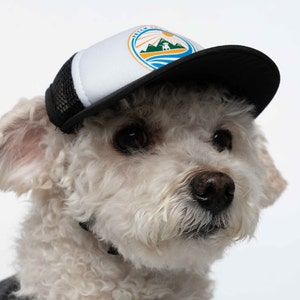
(274, 184)
(21, 152)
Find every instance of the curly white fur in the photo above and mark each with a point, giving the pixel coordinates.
(139, 203)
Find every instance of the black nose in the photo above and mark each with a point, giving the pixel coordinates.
(214, 191)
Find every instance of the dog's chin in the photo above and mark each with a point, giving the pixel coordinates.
(187, 253)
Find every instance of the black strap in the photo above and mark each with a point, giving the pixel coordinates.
(8, 287)
(86, 226)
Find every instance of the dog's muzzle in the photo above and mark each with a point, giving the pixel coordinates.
(214, 191)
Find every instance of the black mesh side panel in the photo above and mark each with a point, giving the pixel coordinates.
(61, 99)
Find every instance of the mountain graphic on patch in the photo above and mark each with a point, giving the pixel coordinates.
(162, 47)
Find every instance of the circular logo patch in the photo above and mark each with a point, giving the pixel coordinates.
(154, 48)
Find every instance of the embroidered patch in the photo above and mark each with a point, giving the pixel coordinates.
(154, 48)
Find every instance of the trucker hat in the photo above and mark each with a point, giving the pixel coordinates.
(99, 76)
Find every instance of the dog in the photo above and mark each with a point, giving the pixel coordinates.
(141, 198)
(167, 185)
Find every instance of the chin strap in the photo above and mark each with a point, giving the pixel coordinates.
(86, 226)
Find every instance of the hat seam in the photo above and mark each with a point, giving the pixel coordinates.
(78, 82)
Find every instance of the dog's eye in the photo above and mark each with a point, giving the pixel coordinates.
(131, 139)
(222, 140)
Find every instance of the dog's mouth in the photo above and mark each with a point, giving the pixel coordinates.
(205, 230)
(202, 232)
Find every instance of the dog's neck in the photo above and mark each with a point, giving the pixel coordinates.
(80, 252)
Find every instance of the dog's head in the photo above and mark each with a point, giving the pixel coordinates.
(170, 176)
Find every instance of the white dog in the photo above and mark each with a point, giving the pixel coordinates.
(140, 199)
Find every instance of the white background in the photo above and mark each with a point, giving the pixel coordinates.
(37, 37)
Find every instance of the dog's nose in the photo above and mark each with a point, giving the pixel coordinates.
(214, 191)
